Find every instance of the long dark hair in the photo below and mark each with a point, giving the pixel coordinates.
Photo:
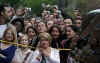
(21, 20)
(31, 27)
(55, 26)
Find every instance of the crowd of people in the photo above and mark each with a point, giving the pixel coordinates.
(39, 39)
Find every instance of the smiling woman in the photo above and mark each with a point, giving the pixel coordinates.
(9, 35)
(7, 50)
(23, 54)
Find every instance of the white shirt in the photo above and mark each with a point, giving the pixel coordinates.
(20, 56)
(2, 29)
(53, 58)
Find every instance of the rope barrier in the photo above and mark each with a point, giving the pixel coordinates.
(16, 44)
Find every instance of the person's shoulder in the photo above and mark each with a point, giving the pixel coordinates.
(13, 46)
(18, 49)
(36, 52)
(55, 50)
(30, 51)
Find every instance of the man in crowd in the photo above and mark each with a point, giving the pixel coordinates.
(6, 13)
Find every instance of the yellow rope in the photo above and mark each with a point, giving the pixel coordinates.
(16, 44)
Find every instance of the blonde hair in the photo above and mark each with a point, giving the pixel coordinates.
(13, 33)
(45, 35)
(23, 35)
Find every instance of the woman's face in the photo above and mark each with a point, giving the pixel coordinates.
(18, 26)
(31, 33)
(62, 26)
(50, 24)
(44, 43)
(55, 32)
(70, 33)
(42, 27)
(24, 40)
(9, 36)
(68, 22)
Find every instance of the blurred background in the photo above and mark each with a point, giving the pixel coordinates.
(66, 5)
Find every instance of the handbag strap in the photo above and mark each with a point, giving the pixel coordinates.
(27, 55)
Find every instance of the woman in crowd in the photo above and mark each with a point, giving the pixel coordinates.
(70, 32)
(41, 27)
(19, 25)
(7, 50)
(68, 22)
(32, 34)
(56, 35)
(23, 53)
(45, 53)
(68, 43)
(72, 41)
(72, 38)
(49, 24)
